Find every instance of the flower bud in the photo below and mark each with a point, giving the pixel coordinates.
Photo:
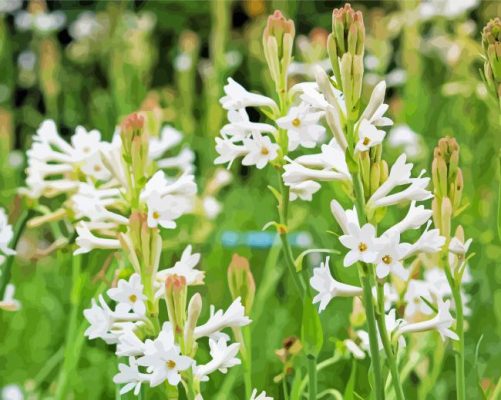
(241, 281)
(375, 177)
(278, 38)
(175, 296)
(446, 216)
(194, 310)
(491, 44)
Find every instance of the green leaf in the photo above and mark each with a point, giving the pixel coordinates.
(298, 263)
(349, 392)
(312, 335)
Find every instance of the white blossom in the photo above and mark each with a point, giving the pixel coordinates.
(223, 357)
(130, 294)
(237, 97)
(130, 375)
(389, 257)
(260, 396)
(362, 244)
(260, 151)
(368, 136)
(87, 241)
(6, 235)
(9, 303)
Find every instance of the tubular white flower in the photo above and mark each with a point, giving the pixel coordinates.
(129, 345)
(130, 375)
(429, 242)
(233, 317)
(417, 290)
(223, 357)
(260, 150)
(130, 294)
(260, 396)
(328, 288)
(344, 218)
(441, 322)
(304, 190)
(237, 97)
(183, 161)
(368, 136)
(376, 108)
(361, 242)
(6, 235)
(9, 303)
(459, 248)
(240, 126)
(169, 137)
(86, 241)
(354, 349)
(302, 125)
(228, 151)
(415, 218)
(389, 256)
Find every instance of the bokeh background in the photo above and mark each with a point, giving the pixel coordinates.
(92, 62)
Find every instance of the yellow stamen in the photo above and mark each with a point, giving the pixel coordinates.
(296, 122)
(362, 247)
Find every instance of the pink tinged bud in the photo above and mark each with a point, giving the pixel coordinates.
(133, 123)
(278, 26)
(241, 281)
(175, 296)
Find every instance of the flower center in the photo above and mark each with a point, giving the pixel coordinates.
(387, 259)
(362, 247)
(156, 215)
(296, 122)
(171, 364)
(265, 151)
(132, 298)
(366, 141)
(97, 168)
(86, 149)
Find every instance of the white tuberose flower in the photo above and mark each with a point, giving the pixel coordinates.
(368, 136)
(389, 257)
(9, 303)
(361, 242)
(237, 97)
(260, 151)
(130, 294)
(223, 357)
(233, 317)
(328, 288)
(130, 375)
(260, 396)
(6, 235)
(86, 241)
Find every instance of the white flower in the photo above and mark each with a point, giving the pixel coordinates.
(8, 6)
(344, 218)
(223, 357)
(368, 136)
(212, 208)
(302, 125)
(87, 241)
(362, 244)
(392, 325)
(183, 161)
(90, 202)
(240, 126)
(417, 290)
(11, 392)
(415, 218)
(304, 190)
(429, 242)
(236, 97)
(354, 349)
(400, 174)
(129, 345)
(228, 151)
(450, 9)
(6, 234)
(402, 136)
(86, 25)
(163, 210)
(376, 108)
(233, 317)
(260, 151)
(9, 303)
(163, 358)
(441, 322)
(260, 396)
(169, 138)
(184, 267)
(389, 257)
(130, 293)
(105, 323)
(459, 248)
(328, 288)
(130, 375)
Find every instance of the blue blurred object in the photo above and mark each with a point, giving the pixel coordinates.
(262, 240)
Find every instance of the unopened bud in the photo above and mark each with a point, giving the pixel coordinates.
(241, 281)
(491, 44)
(365, 170)
(278, 38)
(194, 310)
(384, 172)
(446, 216)
(357, 316)
(375, 177)
(175, 296)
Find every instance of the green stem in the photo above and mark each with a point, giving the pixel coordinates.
(312, 378)
(390, 355)
(371, 328)
(320, 367)
(7, 269)
(459, 344)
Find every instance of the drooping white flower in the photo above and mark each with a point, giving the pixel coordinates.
(389, 257)
(415, 218)
(260, 151)
(87, 241)
(131, 376)
(182, 162)
(362, 244)
(459, 248)
(228, 151)
(91, 202)
(260, 396)
(400, 174)
(9, 303)
(302, 125)
(441, 322)
(6, 235)
(163, 358)
(354, 349)
(184, 267)
(304, 190)
(240, 126)
(169, 137)
(130, 293)
(233, 317)
(344, 217)
(328, 288)
(368, 136)
(403, 137)
(223, 357)
(429, 242)
(129, 345)
(237, 97)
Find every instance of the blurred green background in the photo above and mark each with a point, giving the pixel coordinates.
(96, 61)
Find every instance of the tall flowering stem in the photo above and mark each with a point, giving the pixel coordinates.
(448, 189)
